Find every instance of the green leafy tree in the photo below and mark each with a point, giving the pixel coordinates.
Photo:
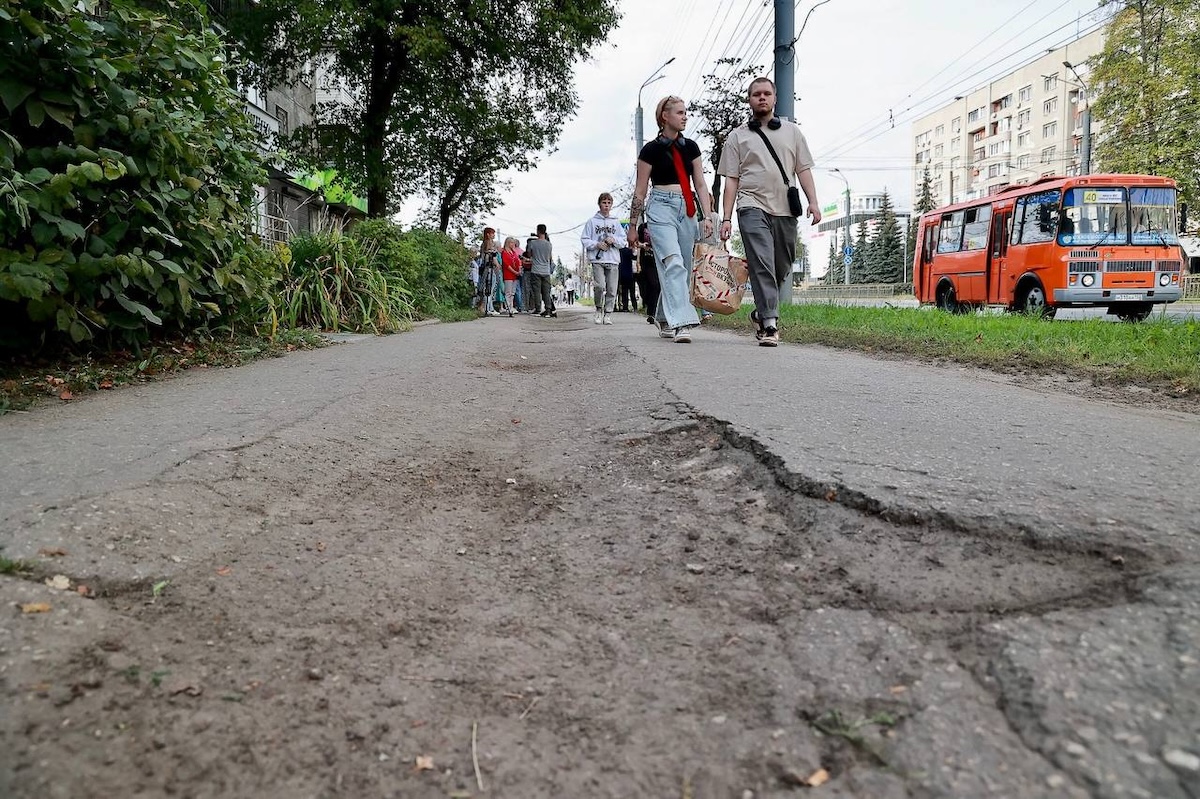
(423, 70)
(885, 255)
(1147, 104)
(128, 173)
(723, 106)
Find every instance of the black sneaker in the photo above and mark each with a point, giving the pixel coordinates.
(769, 337)
(758, 328)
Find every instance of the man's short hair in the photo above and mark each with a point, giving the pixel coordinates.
(541, 229)
(757, 81)
(604, 196)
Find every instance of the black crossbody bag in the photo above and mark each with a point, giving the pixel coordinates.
(793, 193)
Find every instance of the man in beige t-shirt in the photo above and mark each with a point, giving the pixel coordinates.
(755, 181)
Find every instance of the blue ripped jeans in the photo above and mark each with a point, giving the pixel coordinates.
(673, 234)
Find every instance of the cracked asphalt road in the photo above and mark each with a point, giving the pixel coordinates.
(541, 558)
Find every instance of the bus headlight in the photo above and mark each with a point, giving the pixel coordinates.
(1164, 279)
(1088, 280)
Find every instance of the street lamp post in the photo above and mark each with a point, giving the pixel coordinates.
(846, 245)
(1085, 155)
(638, 119)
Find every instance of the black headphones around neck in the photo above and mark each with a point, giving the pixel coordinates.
(773, 123)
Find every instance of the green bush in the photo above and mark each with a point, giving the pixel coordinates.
(431, 264)
(334, 283)
(128, 173)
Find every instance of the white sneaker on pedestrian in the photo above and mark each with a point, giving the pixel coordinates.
(608, 319)
(664, 331)
(599, 317)
(683, 335)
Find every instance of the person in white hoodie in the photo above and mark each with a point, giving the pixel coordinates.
(601, 238)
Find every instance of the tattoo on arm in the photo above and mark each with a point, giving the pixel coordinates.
(635, 209)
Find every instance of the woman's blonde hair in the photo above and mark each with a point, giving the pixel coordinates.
(661, 109)
(508, 240)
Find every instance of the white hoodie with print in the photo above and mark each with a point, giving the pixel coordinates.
(602, 238)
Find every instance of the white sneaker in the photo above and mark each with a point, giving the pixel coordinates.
(664, 331)
(599, 317)
(683, 335)
(608, 319)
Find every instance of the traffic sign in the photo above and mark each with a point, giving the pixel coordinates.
(848, 260)
(847, 251)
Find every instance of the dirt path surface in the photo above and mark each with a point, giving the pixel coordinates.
(520, 558)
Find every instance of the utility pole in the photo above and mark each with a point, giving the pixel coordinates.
(785, 59)
(1085, 150)
(637, 120)
(847, 248)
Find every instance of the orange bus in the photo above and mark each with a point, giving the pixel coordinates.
(1060, 242)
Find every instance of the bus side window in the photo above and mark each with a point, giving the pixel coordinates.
(929, 244)
(1015, 224)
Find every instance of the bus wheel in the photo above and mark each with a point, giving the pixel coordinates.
(1031, 299)
(1137, 312)
(947, 300)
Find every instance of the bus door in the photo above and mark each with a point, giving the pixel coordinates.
(997, 254)
(928, 246)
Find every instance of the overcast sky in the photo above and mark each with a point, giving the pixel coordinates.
(860, 66)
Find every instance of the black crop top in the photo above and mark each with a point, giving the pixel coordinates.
(662, 163)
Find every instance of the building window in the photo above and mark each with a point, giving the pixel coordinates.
(1024, 161)
(939, 131)
(1050, 82)
(995, 170)
(956, 143)
(1023, 118)
(955, 163)
(938, 150)
(1023, 139)
(1050, 106)
(1049, 130)
(956, 125)
(282, 116)
(1048, 155)
(974, 115)
(1026, 94)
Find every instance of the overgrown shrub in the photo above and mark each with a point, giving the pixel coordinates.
(128, 172)
(334, 283)
(431, 264)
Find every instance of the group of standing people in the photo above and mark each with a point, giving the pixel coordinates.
(509, 266)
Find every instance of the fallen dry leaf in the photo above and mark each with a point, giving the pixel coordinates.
(320, 546)
(898, 689)
(817, 778)
(59, 582)
(184, 687)
(35, 607)
(106, 384)
(54, 381)
(83, 590)
(831, 495)
(66, 395)
(225, 571)
(52, 552)
(423, 763)
(516, 421)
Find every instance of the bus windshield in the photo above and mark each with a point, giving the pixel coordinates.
(1152, 216)
(1093, 216)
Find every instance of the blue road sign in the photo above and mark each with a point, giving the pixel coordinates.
(847, 251)
(847, 260)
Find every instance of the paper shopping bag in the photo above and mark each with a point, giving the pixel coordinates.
(718, 279)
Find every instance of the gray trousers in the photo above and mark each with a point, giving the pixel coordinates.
(605, 293)
(770, 243)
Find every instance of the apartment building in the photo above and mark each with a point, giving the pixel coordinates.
(1015, 129)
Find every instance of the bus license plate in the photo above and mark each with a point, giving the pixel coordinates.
(1133, 297)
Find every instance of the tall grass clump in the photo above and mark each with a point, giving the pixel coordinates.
(334, 283)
